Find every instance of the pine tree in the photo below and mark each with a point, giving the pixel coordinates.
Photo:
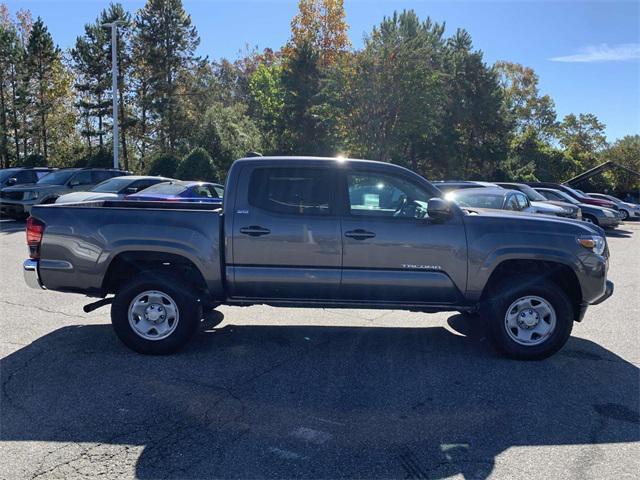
(168, 40)
(92, 66)
(42, 59)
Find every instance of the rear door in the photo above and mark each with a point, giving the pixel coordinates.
(392, 251)
(286, 234)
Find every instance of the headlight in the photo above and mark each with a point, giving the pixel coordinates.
(30, 195)
(595, 243)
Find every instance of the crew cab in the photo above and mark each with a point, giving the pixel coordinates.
(321, 232)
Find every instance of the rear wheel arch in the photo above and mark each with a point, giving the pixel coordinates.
(129, 263)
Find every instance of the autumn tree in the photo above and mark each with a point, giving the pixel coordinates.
(321, 24)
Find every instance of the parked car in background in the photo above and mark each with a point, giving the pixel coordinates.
(17, 201)
(113, 189)
(603, 217)
(22, 175)
(446, 186)
(495, 198)
(541, 204)
(572, 192)
(182, 191)
(627, 210)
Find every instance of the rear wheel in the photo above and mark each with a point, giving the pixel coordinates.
(155, 315)
(529, 317)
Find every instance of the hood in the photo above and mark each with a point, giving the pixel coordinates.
(546, 207)
(545, 221)
(76, 197)
(32, 187)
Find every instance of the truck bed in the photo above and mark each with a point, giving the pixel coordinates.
(81, 240)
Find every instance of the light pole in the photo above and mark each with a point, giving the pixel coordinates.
(114, 84)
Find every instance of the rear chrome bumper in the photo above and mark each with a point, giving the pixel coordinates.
(31, 275)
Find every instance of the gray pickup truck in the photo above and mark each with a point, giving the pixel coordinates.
(320, 232)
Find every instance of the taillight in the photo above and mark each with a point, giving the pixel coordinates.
(35, 229)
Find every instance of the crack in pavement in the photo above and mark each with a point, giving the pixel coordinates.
(42, 309)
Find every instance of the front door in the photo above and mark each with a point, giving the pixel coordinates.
(392, 251)
(286, 234)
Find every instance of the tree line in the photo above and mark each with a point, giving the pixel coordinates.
(412, 95)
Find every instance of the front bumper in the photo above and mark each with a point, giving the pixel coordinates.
(609, 222)
(607, 293)
(31, 274)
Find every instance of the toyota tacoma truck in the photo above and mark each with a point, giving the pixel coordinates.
(321, 232)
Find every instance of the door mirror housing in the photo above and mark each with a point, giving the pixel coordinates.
(130, 190)
(439, 210)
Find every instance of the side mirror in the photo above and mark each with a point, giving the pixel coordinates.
(439, 209)
(130, 190)
(12, 181)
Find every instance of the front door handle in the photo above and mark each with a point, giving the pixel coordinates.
(255, 231)
(359, 234)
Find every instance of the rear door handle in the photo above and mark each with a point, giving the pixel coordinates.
(255, 231)
(359, 234)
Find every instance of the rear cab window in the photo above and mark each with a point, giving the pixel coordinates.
(292, 190)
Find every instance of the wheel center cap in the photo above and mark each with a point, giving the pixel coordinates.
(154, 312)
(528, 318)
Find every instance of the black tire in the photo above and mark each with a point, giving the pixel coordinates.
(504, 293)
(189, 313)
(590, 219)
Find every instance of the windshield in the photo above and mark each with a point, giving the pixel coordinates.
(573, 191)
(565, 197)
(166, 189)
(10, 172)
(531, 194)
(56, 178)
(113, 185)
(477, 199)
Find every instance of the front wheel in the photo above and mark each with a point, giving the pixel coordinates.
(590, 219)
(529, 318)
(624, 214)
(154, 315)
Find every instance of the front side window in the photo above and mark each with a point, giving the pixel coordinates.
(292, 190)
(512, 203)
(522, 201)
(376, 194)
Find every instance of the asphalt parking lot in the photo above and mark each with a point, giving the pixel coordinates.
(294, 393)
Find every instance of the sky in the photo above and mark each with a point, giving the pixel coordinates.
(586, 53)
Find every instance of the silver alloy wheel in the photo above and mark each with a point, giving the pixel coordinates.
(624, 214)
(530, 320)
(153, 315)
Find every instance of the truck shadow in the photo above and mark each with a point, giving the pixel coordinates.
(309, 402)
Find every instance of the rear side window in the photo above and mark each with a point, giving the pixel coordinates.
(102, 175)
(292, 190)
(25, 176)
